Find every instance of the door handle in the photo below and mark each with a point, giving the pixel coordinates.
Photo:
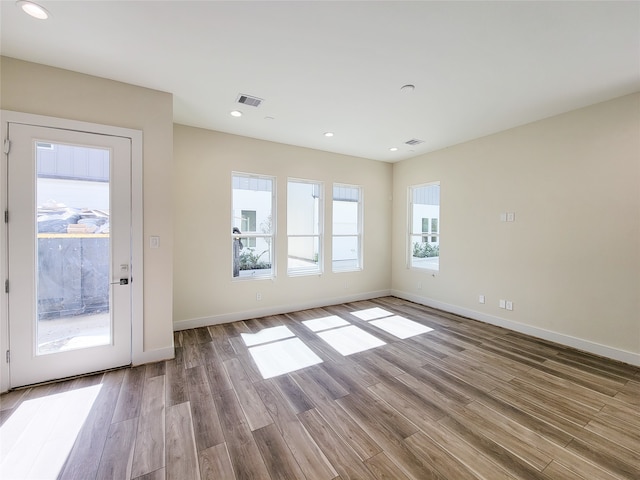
(122, 281)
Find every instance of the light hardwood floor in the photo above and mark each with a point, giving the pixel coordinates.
(465, 400)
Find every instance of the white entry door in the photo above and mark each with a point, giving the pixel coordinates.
(69, 248)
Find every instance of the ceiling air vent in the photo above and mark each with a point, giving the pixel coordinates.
(249, 100)
(414, 141)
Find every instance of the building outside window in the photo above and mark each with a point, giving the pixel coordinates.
(249, 225)
(347, 228)
(424, 228)
(304, 227)
(253, 208)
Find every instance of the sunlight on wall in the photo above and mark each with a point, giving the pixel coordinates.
(37, 438)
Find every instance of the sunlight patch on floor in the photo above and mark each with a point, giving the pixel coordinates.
(282, 357)
(371, 313)
(325, 323)
(400, 327)
(349, 340)
(37, 438)
(267, 335)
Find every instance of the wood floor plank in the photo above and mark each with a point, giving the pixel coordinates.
(567, 407)
(117, 456)
(207, 428)
(181, 455)
(12, 399)
(175, 381)
(349, 430)
(411, 405)
(389, 431)
(500, 455)
(245, 456)
(160, 474)
(473, 418)
(305, 450)
(382, 468)
(341, 456)
(221, 341)
(215, 463)
(605, 459)
(255, 411)
(365, 405)
(149, 452)
(84, 459)
(297, 398)
(428, 450)
(216, 374)
(278, 459)
(128, 405)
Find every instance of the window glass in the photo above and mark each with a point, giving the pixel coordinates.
(304, 227)
(424, 237)
(252, 234)
(346, 249)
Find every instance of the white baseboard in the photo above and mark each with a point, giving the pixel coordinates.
(585, 345)
(273, 310)
(151, 356)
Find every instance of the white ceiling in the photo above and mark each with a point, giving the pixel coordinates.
(478, 67)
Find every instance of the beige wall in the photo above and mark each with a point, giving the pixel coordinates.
(37, 89)
(204, 291)
(570, 262)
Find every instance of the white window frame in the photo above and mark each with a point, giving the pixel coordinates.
(254, 237)
(317, 267)
(360, 223)
(415, 232)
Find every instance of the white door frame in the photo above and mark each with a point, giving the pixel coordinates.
(137, 247)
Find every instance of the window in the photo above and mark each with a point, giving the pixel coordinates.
(424, 235)
(347, 228)
(252, 232)
(304, 227)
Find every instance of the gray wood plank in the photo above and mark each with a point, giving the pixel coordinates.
(117, 456)
(215, 463)
(181, 456)
(149, 453)
(245, 457)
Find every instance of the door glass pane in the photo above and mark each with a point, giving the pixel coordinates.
(73, 247)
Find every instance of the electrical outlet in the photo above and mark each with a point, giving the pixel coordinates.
(502, 304)
(258, 297)
(511, 217)
(481, 299)
(509, 305)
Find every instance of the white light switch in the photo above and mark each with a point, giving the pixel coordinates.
(511, 217)
(154, 242)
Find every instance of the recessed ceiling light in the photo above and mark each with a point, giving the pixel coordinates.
(269, 118)
(33, 9)
(407, 88)
(236, 113)
(393, 149)
(328, 134)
